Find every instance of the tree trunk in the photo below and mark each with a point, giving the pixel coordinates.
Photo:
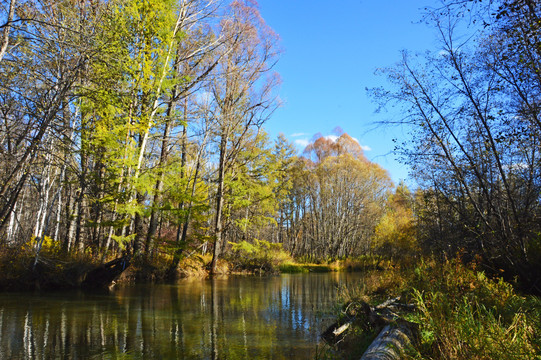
(153, 224)
(390, 344)
(71, 223)
(78, 241)
(12, 226)
(5, 40)
(218, 226)
(138, 224)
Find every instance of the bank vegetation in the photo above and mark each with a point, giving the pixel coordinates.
(132, 132)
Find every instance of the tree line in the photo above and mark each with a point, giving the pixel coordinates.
(136, 127)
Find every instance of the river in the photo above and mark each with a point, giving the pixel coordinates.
(238, 317)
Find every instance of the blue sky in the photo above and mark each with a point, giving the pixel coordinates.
(331, 51)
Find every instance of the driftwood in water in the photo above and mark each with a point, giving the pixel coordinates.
(337, 331)
(105, 274)
(395, 334)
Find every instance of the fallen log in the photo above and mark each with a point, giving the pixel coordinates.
(341, 329)
(106, 274)
(394, 333)
(391, 342)
(336, 331)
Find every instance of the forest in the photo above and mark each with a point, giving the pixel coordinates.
(136, 128)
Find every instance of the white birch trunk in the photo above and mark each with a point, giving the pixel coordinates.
(59, 191)
(12, 225)
(72, 225)
(58, 210)
(5, 37)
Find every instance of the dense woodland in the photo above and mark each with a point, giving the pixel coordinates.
(137, 127)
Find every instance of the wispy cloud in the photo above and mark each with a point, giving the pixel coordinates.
(204, 97)
(331, 137)
(302, 142)
(364, 147)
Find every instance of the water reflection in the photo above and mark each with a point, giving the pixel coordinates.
(231, 318)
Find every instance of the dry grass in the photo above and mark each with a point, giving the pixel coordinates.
(462, 314)
(465, 315)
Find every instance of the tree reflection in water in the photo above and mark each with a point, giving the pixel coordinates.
(223, 318)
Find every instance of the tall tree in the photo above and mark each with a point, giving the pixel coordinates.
(38, 88)
(341, 201)
(243, 97)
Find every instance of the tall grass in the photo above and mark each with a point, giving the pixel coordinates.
(461, 313)
(465, 315)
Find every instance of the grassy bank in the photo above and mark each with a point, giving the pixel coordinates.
(461, 313)
(264, 257)
(23, 268)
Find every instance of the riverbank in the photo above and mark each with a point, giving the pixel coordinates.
(24, 268)
(460, 314)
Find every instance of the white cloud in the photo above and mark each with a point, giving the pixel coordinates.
(516, 167)
(331, 137)
(442, 53)
(302, 142)
(204, 97)
(334, 138)
(298, 134)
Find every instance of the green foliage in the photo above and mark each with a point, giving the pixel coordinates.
(462, 314)
(259, 256)
(119, 106)
(465, 315)
(251, 186)
(290, 268)
(366, 262)
(122, 241)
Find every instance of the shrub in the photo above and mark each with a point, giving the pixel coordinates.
(259, 256)
(461, 312)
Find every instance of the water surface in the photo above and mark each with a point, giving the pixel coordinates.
(277, 317)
